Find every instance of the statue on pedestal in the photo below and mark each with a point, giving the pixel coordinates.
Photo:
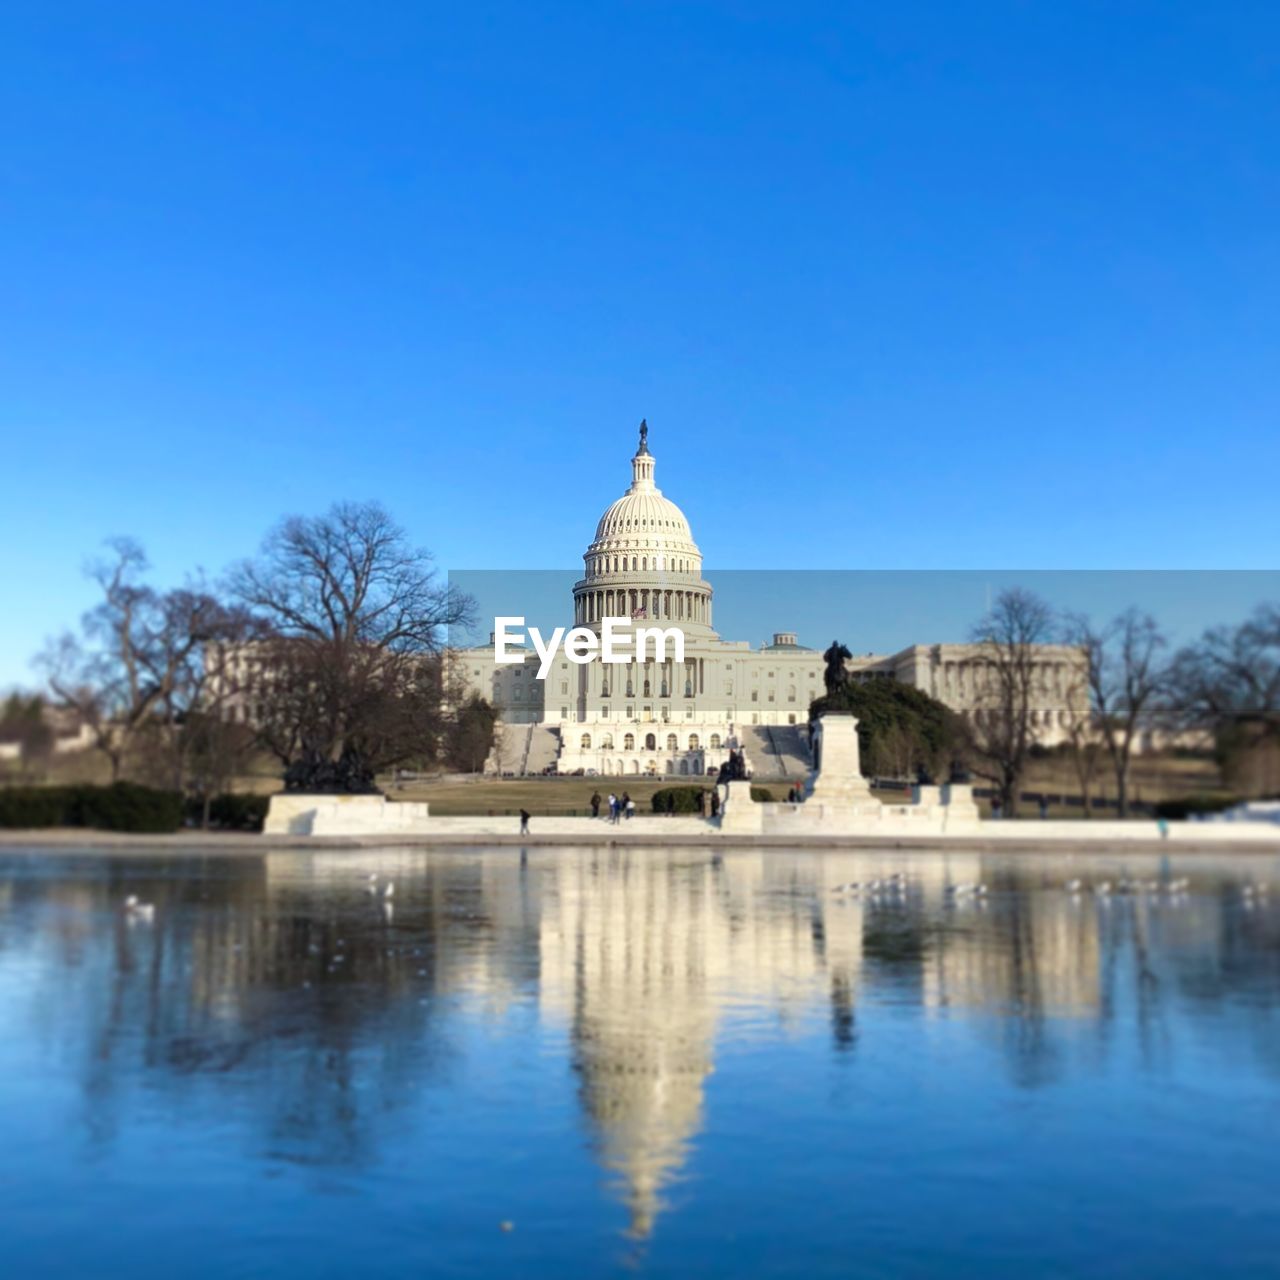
(315, 774)
(734, 768)
(835, 677)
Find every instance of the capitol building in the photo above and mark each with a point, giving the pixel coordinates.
(673, 718)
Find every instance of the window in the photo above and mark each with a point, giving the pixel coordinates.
(671, 742)
(650, 742)
(586, 742)
(728, 688)
(604, 712)
(564, 713)
(755, 695)
(564, 686)
(791, 718)
(791, 693)
(688, 713)
(715, 741)
(693, 742)
(606, 743)
(629, 742)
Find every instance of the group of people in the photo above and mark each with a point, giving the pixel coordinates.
(620, 806)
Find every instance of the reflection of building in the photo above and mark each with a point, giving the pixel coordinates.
(669, 717)
(644, 958)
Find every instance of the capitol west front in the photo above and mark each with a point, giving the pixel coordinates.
(677, 718)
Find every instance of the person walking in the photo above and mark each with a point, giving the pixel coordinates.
(613, 807)
(524, 822)
(715, 803)
(628, 804)
(595, 805)
(1044, 807)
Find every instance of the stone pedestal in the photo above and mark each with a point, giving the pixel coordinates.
(295, 814)
(838, 782)
(741, 814)
(926, 797)
(958, 805)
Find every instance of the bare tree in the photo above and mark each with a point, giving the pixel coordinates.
(132, 667)
(351, 678)
(470, 734)
(1228, 682)
(1001, 732)
(23, 724)
(1083, 742)
(1126, 676)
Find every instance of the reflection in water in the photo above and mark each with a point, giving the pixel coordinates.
(320, 1010)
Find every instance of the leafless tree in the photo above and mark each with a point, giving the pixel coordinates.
(351, 676)
(1002, 735)
(134, 666)
(1083, 742)
(470, 734)
(23, 724)
(1228, 682)
(1126, 676)
(1230, 672)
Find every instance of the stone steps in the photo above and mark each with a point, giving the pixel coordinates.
(777, 752)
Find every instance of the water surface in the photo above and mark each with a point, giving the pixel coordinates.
(667, 1063)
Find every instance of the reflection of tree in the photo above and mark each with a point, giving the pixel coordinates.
(310, 1007)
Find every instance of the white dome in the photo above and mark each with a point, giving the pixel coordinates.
(642, 522)
(647, 515)
(643, 561)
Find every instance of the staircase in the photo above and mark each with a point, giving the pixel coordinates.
(776, 751)
(542, 748)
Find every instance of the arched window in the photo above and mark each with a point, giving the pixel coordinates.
(693, 742)
(606, 743)
(586, 742)
(650, 742)
(629, 742)
(715, 741)
(672, 744)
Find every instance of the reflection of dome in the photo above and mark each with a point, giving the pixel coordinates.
(643, 1090)
(643, 561)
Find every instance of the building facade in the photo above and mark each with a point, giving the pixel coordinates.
(668, 717)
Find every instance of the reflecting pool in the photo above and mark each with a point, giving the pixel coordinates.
(608, 1062)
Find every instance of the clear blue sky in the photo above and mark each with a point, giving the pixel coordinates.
(927, 285)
